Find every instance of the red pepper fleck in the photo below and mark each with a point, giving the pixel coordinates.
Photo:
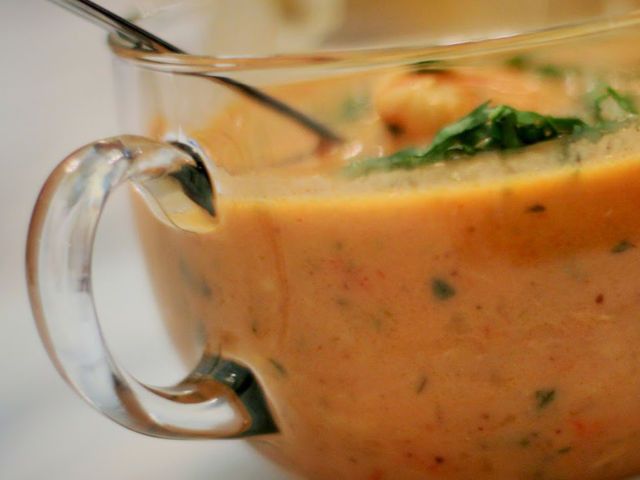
(599, 298)
(586, 429)
(351, 275)
(363, 281)
(377, 475)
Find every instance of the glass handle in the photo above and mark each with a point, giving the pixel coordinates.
(220, 399)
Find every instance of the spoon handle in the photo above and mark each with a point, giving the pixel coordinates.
(143, 38)
(108, 20)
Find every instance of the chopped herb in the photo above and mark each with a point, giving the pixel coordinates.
(525, 62)
(193, 281)
(205, 289)
(528, 439)
(342, 301)
(564, 450)
(422, 383)
(196, 185)
(279, 367)
(609, 105)
(524, 442)
(550, 70)
(518, 61)
(544, 398)
(536, 208)
(376, 322)
(484, 129)
(354, 107)
(622, 246)
(441, 289)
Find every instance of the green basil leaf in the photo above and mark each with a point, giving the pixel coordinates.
(484, 129)
(622, 105)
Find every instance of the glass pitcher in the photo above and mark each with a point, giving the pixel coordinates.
(450, 293)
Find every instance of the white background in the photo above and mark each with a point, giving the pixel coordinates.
(56, 94)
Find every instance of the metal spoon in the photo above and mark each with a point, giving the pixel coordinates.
(112, 22)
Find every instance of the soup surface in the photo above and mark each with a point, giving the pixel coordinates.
(472, 316)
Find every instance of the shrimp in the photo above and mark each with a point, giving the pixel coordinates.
(415, 106)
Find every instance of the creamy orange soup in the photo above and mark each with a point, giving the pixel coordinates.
(473, 319)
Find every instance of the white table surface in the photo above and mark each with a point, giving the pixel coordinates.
(56, 94)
